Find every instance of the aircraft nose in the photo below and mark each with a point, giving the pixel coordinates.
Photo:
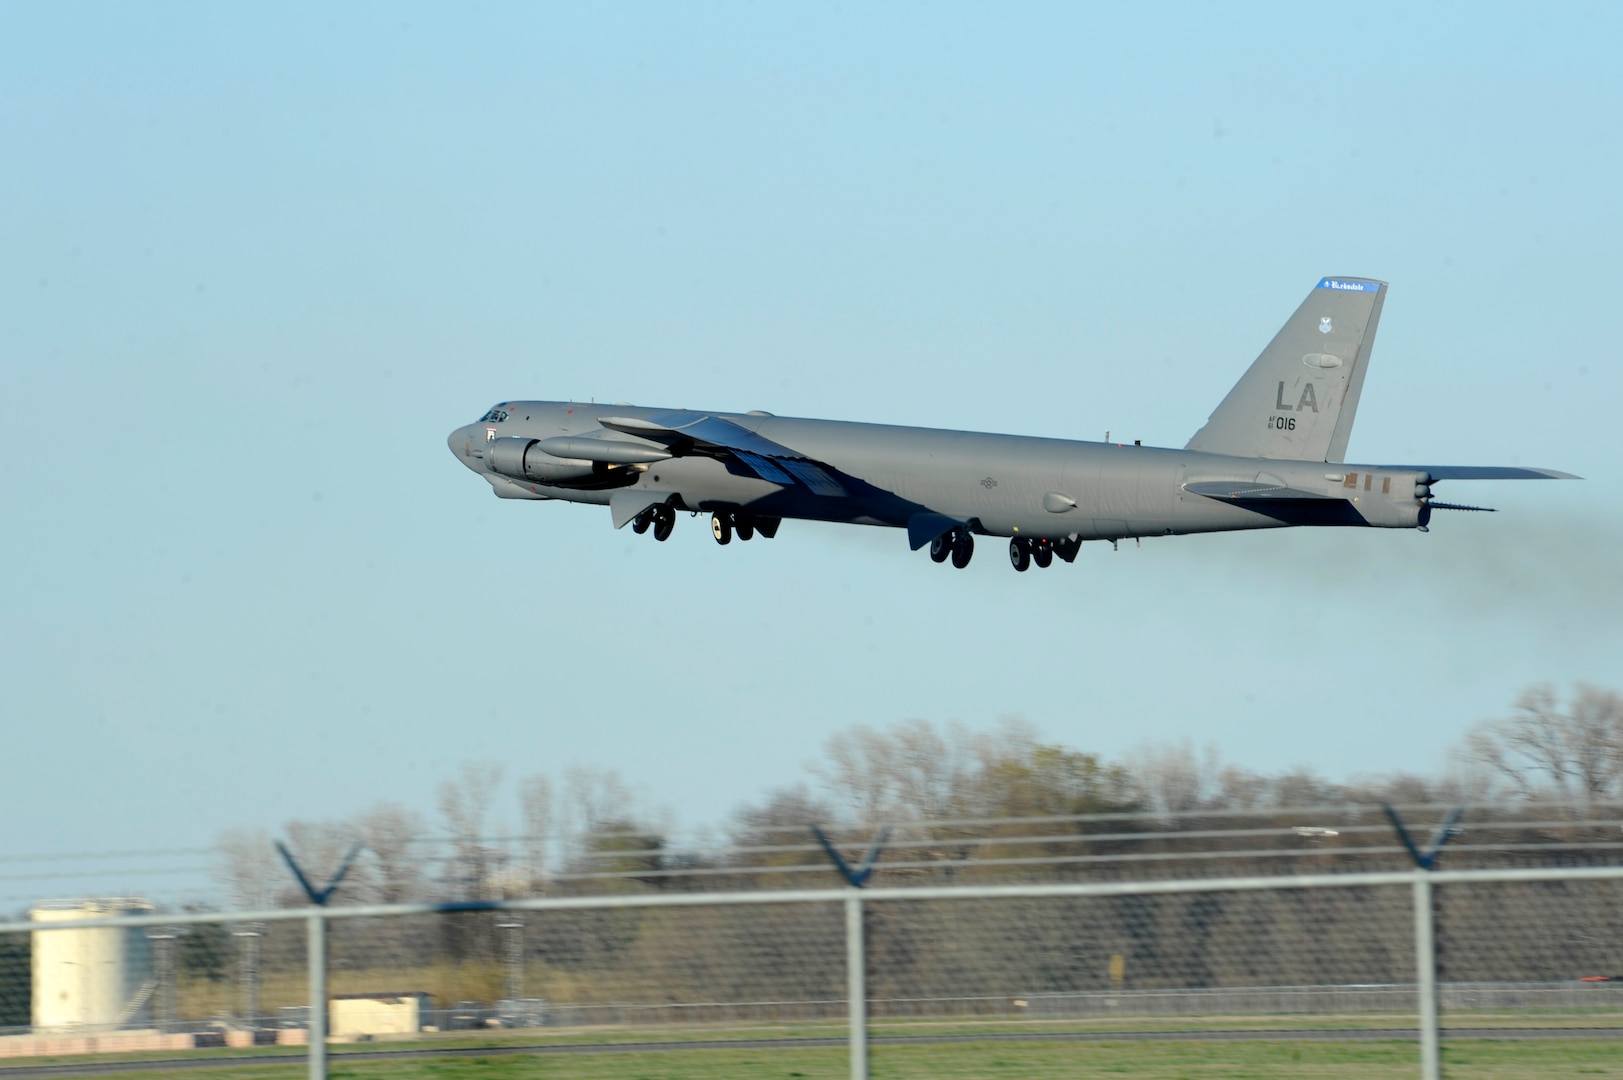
(461, 443)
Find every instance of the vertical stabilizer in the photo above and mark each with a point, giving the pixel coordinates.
(1298, 399)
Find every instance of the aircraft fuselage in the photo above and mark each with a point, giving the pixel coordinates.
(1001, 485)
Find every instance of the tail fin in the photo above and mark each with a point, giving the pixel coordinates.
(1300, 396)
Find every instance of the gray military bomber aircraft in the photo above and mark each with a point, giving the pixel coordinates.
(1270, 456)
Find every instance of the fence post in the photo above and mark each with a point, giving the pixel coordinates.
(317, 943)
(856, 984)
(1425, 960)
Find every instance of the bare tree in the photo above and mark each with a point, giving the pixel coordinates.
(1543, 751)
(595, 802)
(1173, 779)
(464, 802)
(910, 771)
(394, 836)
(249, 868)
(535, 808)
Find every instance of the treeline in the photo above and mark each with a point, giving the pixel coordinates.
(958, 799)
(965, 806)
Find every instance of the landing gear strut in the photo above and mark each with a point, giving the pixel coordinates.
(963, 547)
(664, 522)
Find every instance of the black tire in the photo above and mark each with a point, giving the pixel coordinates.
(1043, 554)
(1019, 555)
(745, 530)
(721, 527)
(963, 550)
(642, 521)
(664, 522)
(941, 547)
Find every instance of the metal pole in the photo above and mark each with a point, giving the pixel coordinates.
(317, 942)
(513, 955)
(1425, 960)
(248, 976)
(856, 985)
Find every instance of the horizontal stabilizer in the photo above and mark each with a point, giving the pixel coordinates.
(1486, 472)
(1249, 491)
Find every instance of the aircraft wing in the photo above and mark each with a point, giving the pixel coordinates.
(685, 434)
(1486, 472)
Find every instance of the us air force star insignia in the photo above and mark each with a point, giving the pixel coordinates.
(1324, 325)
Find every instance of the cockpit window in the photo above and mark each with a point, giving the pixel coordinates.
(494, 416)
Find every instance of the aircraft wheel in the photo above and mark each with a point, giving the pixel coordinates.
(963, 550)
(642, 521)
(721, 527)
(1043, 554)
(745, 530)
(664, 522)
(1019, 555)
(941, 547)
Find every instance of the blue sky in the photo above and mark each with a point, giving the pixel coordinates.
(257, 262)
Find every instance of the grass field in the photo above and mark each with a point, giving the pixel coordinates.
(1162, 1059)
(1484, 1059)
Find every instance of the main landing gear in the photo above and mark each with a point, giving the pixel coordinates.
(724, 526)
(958, 544)
(1025, 550)
(661, 518)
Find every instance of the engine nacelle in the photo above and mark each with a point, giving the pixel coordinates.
(523, 459)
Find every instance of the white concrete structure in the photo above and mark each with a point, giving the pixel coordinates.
(95, 979)
(354, 1015)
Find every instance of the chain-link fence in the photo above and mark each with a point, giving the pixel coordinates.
(1373, 953)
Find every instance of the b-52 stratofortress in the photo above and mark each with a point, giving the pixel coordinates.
(1270, 456)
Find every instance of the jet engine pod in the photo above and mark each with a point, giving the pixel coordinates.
(523, 459)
